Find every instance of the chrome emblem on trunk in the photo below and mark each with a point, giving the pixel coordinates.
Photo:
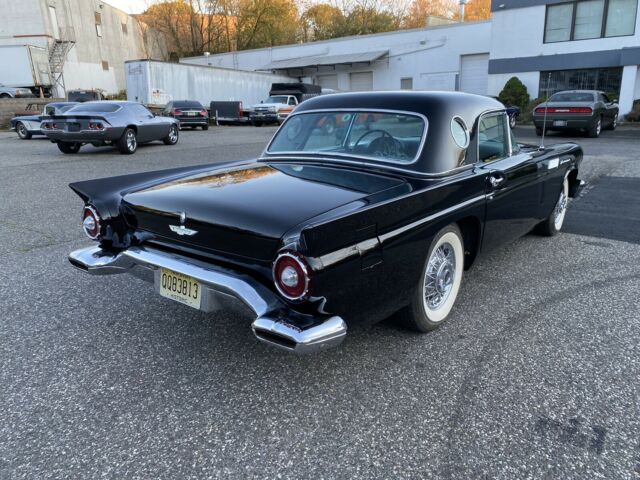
(181, 229)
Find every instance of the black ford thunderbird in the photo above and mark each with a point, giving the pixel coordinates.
(377, 216)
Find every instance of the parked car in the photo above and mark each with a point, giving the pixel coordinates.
(274, 109)
(189, 113)
(124, 125)
(586, 110)
(28, 125)
(513, 112)
(15, 92)
(81, 96)
(328, 229)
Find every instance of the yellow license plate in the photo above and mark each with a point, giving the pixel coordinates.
(180, 288)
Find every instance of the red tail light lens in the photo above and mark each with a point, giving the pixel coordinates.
(91, 222)
(95, 126)
(204, 113)
(291, 275)
(177, 112)
(586, 110)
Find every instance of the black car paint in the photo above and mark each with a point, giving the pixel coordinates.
(364, 227)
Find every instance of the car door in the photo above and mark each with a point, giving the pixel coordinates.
(147, 127)
(513, 182)
(609, 109)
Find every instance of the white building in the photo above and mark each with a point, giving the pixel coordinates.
(553, 45)
(446, 57)
(88, 41)
(550, 45)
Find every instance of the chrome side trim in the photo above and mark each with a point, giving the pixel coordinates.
(286, 336)
(430, 218)
(364, 246)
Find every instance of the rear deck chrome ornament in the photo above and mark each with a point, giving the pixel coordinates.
(181, 229)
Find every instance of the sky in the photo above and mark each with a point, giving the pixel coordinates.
(129, 6)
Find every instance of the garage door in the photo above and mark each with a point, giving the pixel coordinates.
(327, 81)
(361, 81)
(474, 73)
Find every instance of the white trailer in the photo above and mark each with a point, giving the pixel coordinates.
(25, 66)
(156, 83)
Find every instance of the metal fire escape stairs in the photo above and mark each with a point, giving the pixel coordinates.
(58, 50)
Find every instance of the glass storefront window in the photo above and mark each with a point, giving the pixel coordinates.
(606, 79)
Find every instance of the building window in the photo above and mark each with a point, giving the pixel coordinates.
(105, 66)
(98, 20)
(584, 19)
(621, 18)
(406, 83)
(125, 29)
(605, 79)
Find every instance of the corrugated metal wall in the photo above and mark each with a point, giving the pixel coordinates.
(153, 82)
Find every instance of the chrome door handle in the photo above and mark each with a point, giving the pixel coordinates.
(496, 181)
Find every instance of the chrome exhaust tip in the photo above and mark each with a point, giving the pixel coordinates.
(286, 336)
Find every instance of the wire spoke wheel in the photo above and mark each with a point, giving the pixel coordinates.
(439, 277)
(560, 209)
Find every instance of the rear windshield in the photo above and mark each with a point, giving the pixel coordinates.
(95, 108)
(187, 104)
(388, 137)
(571, 97)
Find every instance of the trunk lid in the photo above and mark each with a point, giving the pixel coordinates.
(246, 210)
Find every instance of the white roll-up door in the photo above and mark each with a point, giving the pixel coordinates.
(327, 81)
(474, 73)
(361, 81)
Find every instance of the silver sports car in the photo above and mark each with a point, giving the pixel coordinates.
(124, 125)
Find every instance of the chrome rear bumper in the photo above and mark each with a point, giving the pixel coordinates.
(224, 289)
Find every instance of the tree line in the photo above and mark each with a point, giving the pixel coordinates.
(191, 27)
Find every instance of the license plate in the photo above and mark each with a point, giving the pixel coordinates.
(559, 123)
(191, 114)
(180, 288)
(259, 114)
(74, 127)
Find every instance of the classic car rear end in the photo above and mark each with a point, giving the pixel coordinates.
(124, 125)
(334, 227)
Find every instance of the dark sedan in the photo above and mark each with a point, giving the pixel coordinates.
(27, 126)
(328, 228)
(124, 125)
(189, 113)
(590, 111)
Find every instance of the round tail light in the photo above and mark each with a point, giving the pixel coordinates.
(91, 222)
(291, 275)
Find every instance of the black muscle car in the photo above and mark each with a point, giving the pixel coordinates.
(124, 125)
(587, 110)
(330, 227)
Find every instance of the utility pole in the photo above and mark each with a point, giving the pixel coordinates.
(462, 4)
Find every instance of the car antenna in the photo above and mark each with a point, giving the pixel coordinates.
(546, 107)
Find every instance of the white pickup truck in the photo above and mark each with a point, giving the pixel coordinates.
(273, 110)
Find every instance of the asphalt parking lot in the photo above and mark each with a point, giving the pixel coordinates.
(535, 375)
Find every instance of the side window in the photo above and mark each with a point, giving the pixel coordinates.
(604, 98)
(493, 142)
(292, 101)
(140, 111)
(515, 148)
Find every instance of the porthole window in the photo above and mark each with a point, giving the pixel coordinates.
(459, 132)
